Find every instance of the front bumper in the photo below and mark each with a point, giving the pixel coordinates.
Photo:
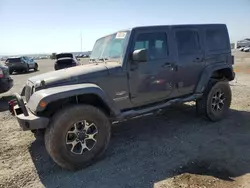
(26, 119)
(6, 84)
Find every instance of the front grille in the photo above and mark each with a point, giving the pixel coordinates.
(27, 92)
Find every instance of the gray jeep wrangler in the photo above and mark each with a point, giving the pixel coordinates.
(130, 73)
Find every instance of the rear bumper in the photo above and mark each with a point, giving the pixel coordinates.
(6, 84)
(26, 119)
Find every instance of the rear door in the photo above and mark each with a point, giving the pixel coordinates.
(151, 81)
(191, 57)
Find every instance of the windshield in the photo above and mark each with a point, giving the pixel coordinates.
(110, 47)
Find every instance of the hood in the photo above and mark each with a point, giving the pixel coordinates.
(69, 75)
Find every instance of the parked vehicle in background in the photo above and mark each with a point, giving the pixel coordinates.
(65, 60)
(131, 73)
(241, 48)
(246, 49)
(21, 64)
(6, 82)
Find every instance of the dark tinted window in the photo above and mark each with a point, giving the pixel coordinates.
(63, 55)
(155, 43)
(216, 39)
(187, 41)
(13, 60)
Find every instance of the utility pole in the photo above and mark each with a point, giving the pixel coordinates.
(81, 40)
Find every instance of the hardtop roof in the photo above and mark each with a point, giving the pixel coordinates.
(163, 26)
(181, 25)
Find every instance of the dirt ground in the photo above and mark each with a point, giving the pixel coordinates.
(173, 149)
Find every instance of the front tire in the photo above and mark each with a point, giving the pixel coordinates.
(77, 136)
(216, 101)
(27, 69)
(36, 67)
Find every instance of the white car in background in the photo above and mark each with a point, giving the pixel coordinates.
(246, 49)
(241, 48)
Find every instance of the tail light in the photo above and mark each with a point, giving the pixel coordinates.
(1, 73)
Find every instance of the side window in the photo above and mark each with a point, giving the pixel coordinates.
(141, 44)
(216, 39)
(155, 43)
(187, 41)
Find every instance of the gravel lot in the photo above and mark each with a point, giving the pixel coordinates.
(174, 149)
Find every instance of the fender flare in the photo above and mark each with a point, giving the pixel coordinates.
(61, 92)
(207, 73)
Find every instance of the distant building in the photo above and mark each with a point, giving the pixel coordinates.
(243, 43)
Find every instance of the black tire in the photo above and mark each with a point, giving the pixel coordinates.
(56, 135)
(204, 105)
(27, 69)
(11, 71)
(36, 67)
(56, 67)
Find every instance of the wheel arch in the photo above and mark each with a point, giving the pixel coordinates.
(217, 72)
(87, 98)
(57, 97)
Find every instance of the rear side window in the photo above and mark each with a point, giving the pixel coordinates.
(187, 41)
(155, 43)
(216, 39)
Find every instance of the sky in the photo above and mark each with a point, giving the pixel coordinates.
(47, 26)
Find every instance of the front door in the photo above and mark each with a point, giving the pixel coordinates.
(191, 59)
(151, 81)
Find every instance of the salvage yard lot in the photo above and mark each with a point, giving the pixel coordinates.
(174, 149)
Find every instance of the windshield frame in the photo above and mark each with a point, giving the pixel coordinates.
(118, 59)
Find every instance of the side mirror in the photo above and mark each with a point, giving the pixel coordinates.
(140, 55)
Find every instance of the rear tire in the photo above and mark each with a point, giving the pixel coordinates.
(68, 137)
(216, 101)
(11, 71)
(27, 69)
